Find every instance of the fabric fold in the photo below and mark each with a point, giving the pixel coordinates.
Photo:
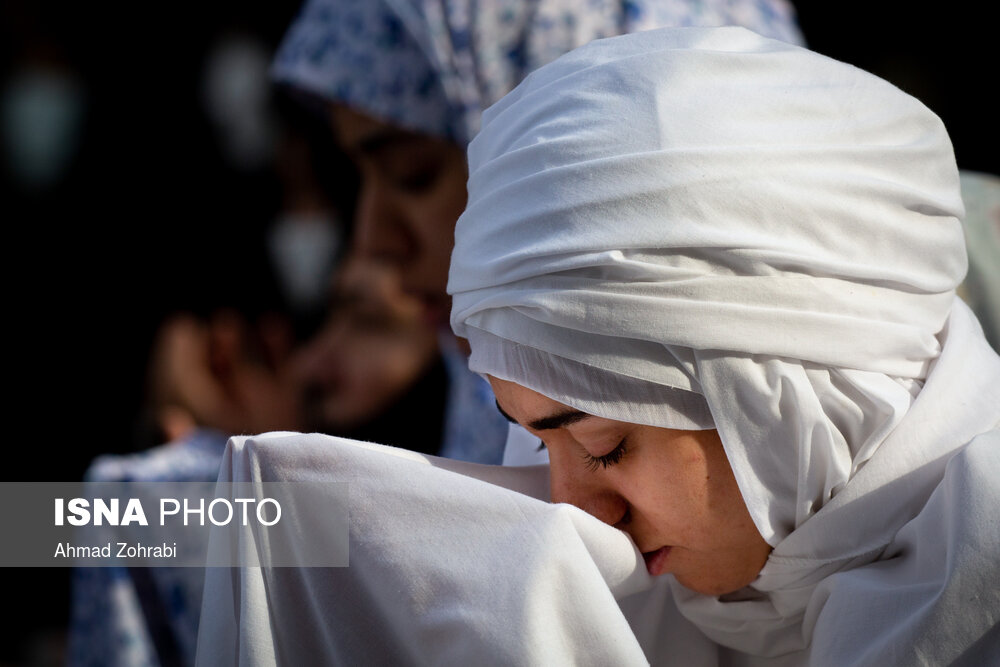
(447, 565)
(780, 234)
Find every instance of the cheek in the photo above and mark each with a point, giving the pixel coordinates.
(673, 508)
(724, 498)
(440, 209)
(728, 528)
(678, 483)
(435, 239)
(687, 497)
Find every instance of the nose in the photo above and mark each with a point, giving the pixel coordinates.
(380, 229)
(571, 481)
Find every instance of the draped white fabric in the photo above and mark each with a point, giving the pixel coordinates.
(451, 563)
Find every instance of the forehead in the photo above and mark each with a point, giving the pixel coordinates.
(513, 397)
(533, 410)
(349, 123)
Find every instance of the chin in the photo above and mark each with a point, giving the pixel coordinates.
(711, 587)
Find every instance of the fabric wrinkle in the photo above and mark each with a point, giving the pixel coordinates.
(821, 374)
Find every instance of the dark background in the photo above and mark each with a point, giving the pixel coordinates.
(149, 218)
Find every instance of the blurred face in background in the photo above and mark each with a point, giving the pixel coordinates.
(410, 195)
(373, 347)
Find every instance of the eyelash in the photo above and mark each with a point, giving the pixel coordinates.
(613, 457)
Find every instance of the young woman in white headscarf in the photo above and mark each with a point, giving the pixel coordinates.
(716, 275)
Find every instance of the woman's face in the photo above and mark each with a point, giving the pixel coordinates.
(411, 193)
(373, 347)
(672, 491)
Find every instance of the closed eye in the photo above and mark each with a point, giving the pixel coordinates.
(607, 460)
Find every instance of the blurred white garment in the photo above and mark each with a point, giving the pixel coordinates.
(235, 95)
(304, 248)
(42, 112)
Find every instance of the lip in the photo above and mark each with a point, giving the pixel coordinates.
(656, 561)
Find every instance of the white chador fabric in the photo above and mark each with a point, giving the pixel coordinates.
(705, 228)
(451, 563)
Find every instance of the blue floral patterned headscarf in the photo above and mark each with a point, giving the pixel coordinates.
(435, 65)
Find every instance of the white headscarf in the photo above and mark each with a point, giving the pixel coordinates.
(695, 228)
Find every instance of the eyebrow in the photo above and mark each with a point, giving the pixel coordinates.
(557, 420)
